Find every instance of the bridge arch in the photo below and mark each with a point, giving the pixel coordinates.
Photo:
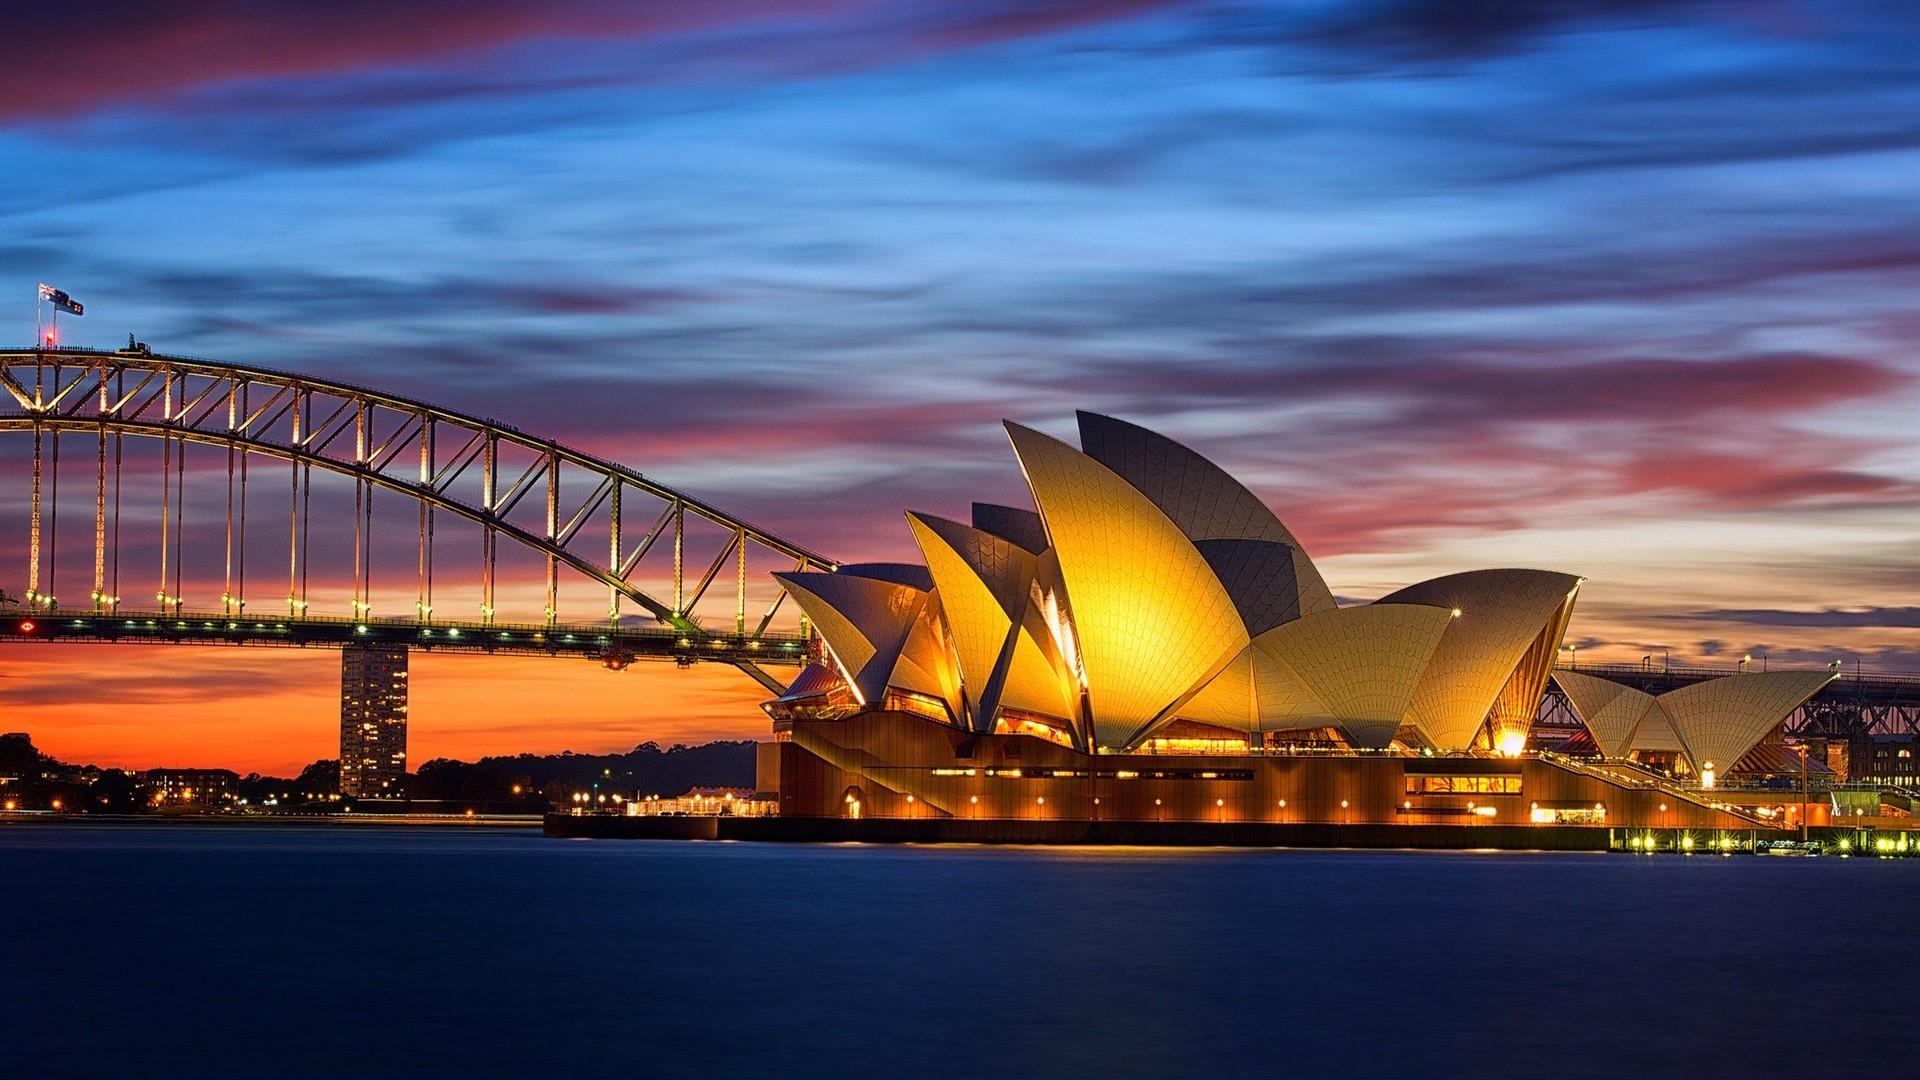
(491, 474)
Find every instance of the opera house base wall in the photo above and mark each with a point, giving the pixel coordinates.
(902, 766)
(898, 777)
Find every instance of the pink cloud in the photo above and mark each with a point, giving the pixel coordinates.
(125, 53)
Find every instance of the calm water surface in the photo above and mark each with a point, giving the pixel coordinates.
(164, 951)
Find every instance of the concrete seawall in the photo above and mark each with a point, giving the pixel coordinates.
(1142, 833)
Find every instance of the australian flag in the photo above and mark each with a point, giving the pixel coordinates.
(61, 300)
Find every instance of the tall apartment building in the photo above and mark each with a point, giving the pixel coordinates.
(373, 721)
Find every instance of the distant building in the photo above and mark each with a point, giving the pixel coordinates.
(1887, 760)
(706, 802)
(373, 721)
(193, 788)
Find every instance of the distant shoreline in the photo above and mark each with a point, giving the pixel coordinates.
(520, 821)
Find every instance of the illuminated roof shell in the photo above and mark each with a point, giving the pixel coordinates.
(1201, 498)
(1502, 615)
(984, 585)
(1150, 622)
(864, 622)
(1612, 711)
(1361, 664)
(1719, 720)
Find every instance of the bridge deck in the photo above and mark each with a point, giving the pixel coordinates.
(616, 645)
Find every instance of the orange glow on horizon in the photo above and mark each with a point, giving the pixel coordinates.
(274, 711)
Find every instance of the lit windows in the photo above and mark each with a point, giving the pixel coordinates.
(1464, 785)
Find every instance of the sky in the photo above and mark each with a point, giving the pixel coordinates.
(1625, 288)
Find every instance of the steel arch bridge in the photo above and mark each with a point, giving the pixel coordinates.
(659, 557)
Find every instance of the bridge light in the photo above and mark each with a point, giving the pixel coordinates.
(27, 626)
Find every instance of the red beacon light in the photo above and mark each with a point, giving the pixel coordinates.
(27, 626)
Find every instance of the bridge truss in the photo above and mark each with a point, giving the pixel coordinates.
(274, 454)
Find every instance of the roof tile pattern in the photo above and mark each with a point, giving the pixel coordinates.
(1363, 664)
(1200, 497)
(1501, 614)
(1721, 719)
(1612, 711)
(1032, 685)
(1150, 619)
(864, 622)
(1260, 576)
(1228, 701)
(1284, 701)
(914, 577)
(1656, 732)
(1022, 527)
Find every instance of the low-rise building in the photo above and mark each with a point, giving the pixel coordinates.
(193, 788)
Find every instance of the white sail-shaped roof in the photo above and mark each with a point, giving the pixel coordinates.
(1656, 732)
(927, 664)
(1285, 703)
(985, 584)
(1262, 576)
(1362, 664)
(864, 622)
(1719, 720)
(1612, 711)
(1229, 700)
(1502, 613)
(1202, 499)
(1011, 523)
(1150, 621)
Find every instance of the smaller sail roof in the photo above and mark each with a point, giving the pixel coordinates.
(1502, 613)
(864, 622)
(1362, 664)
(1714, 722)
(1611, 710)
(1719, 720)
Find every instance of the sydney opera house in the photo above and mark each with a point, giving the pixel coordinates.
(1154, 645)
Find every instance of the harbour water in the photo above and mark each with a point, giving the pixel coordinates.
(282, 952)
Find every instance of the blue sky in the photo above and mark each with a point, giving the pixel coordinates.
(1622, 288)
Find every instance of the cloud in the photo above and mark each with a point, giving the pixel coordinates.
(1364, 444)
(1472, 28)
(128, 54)
(1873, 617)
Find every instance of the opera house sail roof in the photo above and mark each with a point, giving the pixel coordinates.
(1151, 593)
(1713, 723)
